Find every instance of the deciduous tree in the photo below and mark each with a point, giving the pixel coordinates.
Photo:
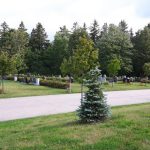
(7, 65)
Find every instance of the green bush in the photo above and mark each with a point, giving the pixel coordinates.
(56, 79)
(21, 79)
(10, 77)
(145, 81)
(54, 84)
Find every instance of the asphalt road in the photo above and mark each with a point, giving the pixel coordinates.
(27, 107)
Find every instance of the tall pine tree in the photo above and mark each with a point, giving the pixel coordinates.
(94, 31)
(115, 44)
(123, 26)
(59, 50)
(5, 37)
(74, 40)
(38, 47)
(141, 50)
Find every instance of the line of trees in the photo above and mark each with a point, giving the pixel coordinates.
(77, 50)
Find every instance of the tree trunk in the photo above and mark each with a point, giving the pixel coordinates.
(69, 85)
(112, 81)
(2, 84)
(81, 91)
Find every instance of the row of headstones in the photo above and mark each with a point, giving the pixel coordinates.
(37, 80)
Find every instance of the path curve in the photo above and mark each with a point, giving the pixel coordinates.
(26, 107)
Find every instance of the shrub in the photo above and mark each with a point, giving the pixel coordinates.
(21, 79)
(145, 80)
(56, 79)
(54, 84)
(10, 77)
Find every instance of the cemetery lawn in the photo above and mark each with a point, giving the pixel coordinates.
(128, 129)
(16, 89)
(120, 86)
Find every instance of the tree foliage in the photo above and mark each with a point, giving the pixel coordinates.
(141, 50)
(115, 44)
(93, 105)
(77, 33)
(59, 50)
(37, 51)
(95, 32)
(84, 58)
(36, 54)
(123, 26)
(113, 67)
(146, 69)
(7, 65)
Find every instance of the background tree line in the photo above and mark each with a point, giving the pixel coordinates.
(76, 50)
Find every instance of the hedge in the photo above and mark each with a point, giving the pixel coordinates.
(54, 84)
(9, 77)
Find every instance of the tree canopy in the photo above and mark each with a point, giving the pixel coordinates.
(115, 44)
(36, 54)
(84, 58)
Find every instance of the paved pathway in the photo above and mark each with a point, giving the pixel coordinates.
(26, 107)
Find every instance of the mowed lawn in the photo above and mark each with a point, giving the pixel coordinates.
(128, 129)
(16, 89)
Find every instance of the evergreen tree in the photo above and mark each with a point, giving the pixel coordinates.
(93, 105)
(94, 32)
(104, 30)
(5, 37)
(141, 55)
(84, 26)
(115, 44)
(22, 27)
(77, 33)
(38, 39)
(59, 50)
(38, 49)
(131, 33)
(123, 26)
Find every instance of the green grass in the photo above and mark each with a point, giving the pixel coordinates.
(16, 89)
(128, 129)
(124, 86)
(117, 87)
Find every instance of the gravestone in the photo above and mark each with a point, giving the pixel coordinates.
(104, 78)
(15, 78)
(37, 81)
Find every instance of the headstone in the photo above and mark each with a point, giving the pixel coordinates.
(100, 79)
(15, 78)
(37, 81)
(104, 78)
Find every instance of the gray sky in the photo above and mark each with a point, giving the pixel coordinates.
(55, 13)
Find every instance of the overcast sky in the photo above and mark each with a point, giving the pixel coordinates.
(56, 13)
